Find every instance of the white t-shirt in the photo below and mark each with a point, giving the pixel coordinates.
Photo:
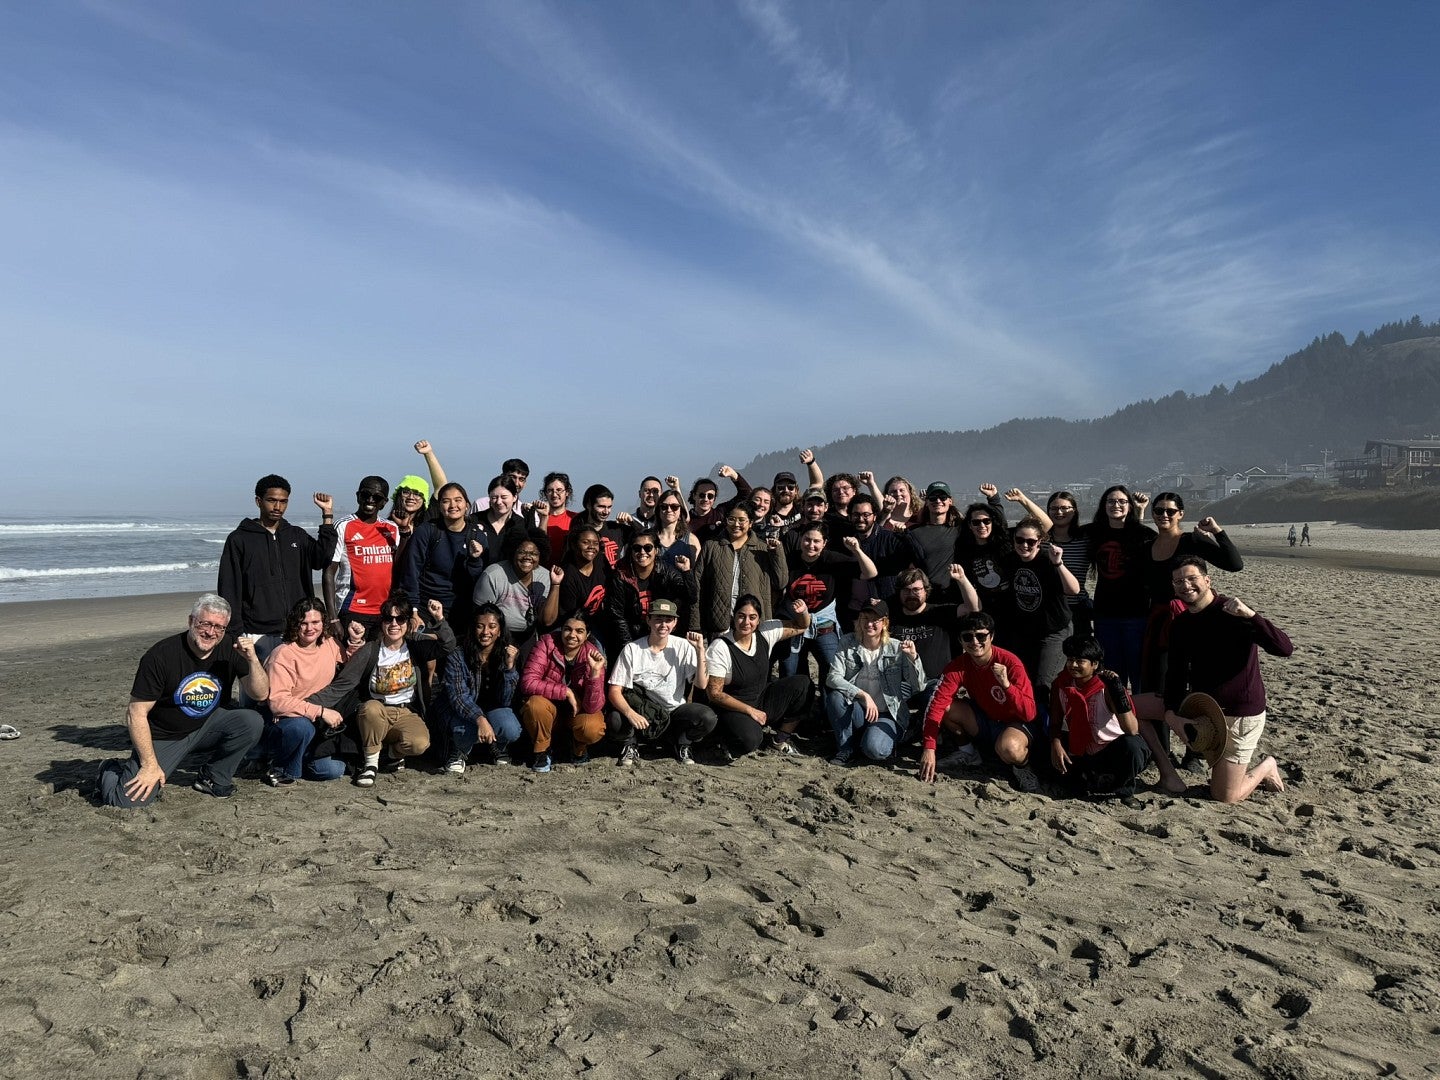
(395, 678)
(662, 676)
(717, 653)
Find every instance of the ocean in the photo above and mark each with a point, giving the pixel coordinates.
(99, 556)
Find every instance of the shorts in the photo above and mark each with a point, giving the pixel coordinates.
(990, 730)
(1242, 739)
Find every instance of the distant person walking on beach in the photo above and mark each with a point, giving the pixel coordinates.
(1214, 649)
(269, 564)
(1305, 535)
(1291, 537)
(180, 707)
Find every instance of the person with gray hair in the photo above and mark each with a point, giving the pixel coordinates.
(181, 707)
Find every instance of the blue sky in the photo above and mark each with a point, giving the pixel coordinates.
(616, 238)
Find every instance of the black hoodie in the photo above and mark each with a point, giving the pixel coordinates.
(263, 575)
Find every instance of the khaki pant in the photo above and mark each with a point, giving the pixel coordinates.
(395, 726)
(538, 716)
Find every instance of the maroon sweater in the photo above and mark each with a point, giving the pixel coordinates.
(1218, 654)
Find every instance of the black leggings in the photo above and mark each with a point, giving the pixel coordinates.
(783, 702)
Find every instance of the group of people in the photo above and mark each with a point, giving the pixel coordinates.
(860, 615)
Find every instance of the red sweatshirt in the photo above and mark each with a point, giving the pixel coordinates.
(1014, 704)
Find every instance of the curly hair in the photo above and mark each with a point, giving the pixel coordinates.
(297, 616)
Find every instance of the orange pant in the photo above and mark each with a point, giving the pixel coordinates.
(538, 715)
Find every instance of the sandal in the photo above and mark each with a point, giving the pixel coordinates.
(366, 776)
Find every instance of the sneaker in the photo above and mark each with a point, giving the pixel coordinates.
(629, 755)
(783, 747)
(968, 756)
(842, 757)
(392, 763)
(582, 758)
(502, 756)
(206, 786)
(541, 763)
(456, 765)
(1025, 779)
(366, 776)
(276, 778)
(682, 754)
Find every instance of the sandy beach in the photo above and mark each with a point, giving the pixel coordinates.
(780, 917)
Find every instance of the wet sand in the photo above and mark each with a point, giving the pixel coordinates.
(774, 918)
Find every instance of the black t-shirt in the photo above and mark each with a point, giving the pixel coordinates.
(1033, 606)
(185, 688)
(582, 594)
(817, 583)
(932, 630)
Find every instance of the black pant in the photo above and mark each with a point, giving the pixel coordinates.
(691, 722)
(783, 702)
(1111, 769)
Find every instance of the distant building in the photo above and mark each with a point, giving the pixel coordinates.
(1392, 463)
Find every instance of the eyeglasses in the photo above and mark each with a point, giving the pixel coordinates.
(1167, 511)
(737, 521)
(556, 491)
(394, 618)
(978, 637)
(1026, 542)
(211, 627)
(649, 491)
(527, 556)
(643, 549)
(975, 523)
(1117, 502)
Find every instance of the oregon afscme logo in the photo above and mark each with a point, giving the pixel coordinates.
(198, 694)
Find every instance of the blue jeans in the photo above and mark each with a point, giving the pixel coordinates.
(465, 733)
(1123, 641)
(285, 742)
(324, 768)
(824, 646)
(876, 741)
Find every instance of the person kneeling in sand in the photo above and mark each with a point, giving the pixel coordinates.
(1095, 742)
(999, 710)
(1214, 649)
(650, 688)
(180, 707)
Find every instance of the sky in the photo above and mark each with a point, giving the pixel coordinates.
(626, 237)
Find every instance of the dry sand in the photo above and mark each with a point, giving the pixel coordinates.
(776, 918)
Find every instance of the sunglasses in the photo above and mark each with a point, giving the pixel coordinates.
(975, 523)
(395, 618)
(975, 636)
(1167, 511)
(1021, 541)
(642, 548)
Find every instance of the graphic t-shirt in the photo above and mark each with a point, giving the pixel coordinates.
(395, 676)
(365, 564)
(185, 688)
(932, 631)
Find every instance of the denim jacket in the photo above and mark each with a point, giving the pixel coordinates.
(901, 677)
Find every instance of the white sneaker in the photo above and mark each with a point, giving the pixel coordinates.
(967, 756)
(456, 765)
(1026, 780)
